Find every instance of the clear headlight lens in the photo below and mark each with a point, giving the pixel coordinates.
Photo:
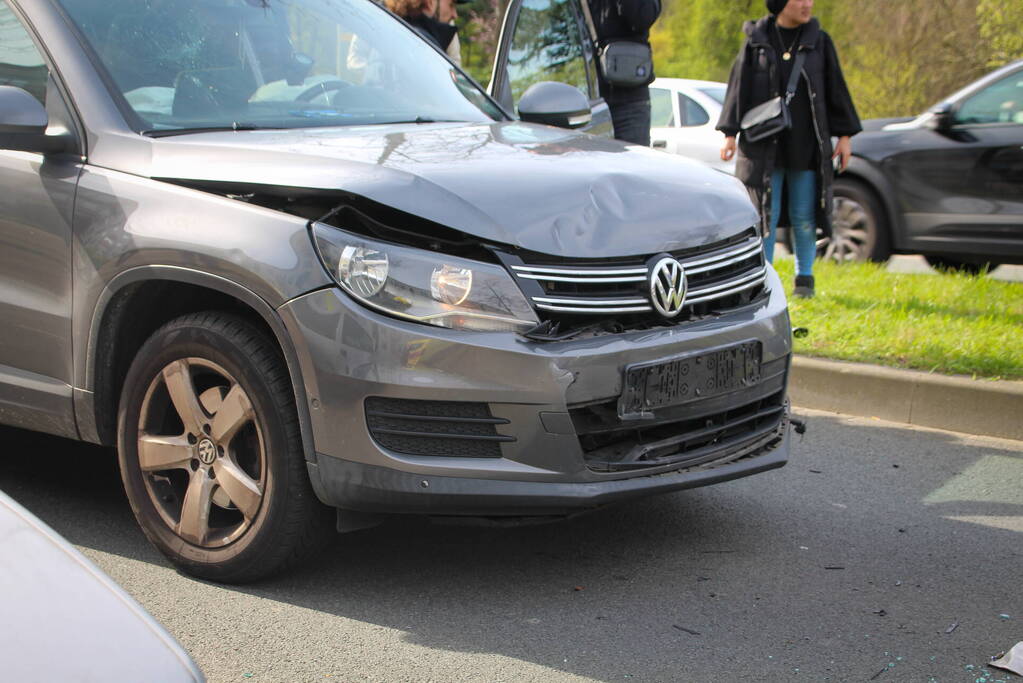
(451, 285)
(423, 286)
(363, 271)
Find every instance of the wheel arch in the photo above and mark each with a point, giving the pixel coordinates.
(873, 179)
(137, 302)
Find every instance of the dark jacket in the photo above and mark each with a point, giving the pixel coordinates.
(437, 32)
(755, 79)
(630, 19)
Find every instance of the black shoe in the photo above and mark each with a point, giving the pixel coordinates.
(804, 287)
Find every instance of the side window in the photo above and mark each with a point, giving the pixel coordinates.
(661, 113)
(694, 115)
(21, 65)
(1000, 102)
(546, 47)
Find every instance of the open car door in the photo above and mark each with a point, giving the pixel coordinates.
(548, 40)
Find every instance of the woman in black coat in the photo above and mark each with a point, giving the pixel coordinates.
(420, 15)
(796, 163)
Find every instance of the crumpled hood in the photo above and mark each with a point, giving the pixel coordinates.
(538, 188)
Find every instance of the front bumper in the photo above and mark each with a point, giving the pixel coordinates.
(541, 397)
(367, 488)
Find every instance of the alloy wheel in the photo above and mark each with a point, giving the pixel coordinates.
(853, 232)
(201, 452)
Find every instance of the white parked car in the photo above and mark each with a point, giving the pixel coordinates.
(683, 114)
(65, 620)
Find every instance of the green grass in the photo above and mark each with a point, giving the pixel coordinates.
(949, 323)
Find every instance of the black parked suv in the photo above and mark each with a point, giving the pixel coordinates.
(947, 184)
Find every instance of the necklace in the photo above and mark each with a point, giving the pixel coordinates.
(787, 55)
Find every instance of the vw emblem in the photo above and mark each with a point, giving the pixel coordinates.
(207, 451)
(668, 287)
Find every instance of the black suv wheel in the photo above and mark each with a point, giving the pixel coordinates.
(859, 225)
(210, 452)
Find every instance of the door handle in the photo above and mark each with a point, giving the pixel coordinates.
(660, 144)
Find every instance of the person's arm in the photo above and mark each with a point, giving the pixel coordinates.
(843, 121)
(639, 14)
(731, 110)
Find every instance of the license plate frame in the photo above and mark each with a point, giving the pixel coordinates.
(675, 381)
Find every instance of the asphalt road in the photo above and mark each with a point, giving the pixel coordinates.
(881, 553)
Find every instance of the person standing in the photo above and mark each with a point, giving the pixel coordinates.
(795, 165)
(630, 106)
(420, 15)
(447, 13)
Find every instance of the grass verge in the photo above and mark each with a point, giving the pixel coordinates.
(949, 323)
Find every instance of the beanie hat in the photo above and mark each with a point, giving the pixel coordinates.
(776, 6)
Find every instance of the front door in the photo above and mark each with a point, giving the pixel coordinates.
(547, 40)
(966, 183)
(35, 256)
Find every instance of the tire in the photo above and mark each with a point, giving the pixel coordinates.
(210, 451)
(860, 230)
(960, 265)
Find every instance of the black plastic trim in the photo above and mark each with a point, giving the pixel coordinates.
(438, 418)
(438, 435)
(370, 488)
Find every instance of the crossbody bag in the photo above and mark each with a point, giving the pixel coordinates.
(772, 117)
(623, 62)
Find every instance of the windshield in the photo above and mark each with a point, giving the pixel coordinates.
(200, 64)
(717, 93)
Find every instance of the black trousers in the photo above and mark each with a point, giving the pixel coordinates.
(631, 121)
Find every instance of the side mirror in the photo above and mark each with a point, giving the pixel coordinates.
(23, 123)
(942, 117)
(555, 104)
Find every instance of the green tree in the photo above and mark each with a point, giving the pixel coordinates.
(479, 27)
(1001, 27)
(700, 38)
(898, 57)
(914, 53)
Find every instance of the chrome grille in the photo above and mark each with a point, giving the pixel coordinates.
(714, 273)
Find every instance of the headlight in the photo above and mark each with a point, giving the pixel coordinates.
(423, 286)
(363, 271)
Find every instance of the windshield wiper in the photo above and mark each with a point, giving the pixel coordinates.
(236, 126)
(419, 119)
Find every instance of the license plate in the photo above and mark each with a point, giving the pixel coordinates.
(661, 384)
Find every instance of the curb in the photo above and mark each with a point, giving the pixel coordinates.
(958, 404)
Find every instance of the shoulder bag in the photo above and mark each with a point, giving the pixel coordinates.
(772, 117)
(623, 62)
(626, 63)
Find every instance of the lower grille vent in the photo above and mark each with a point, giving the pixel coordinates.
(435, 428)
(690, 435)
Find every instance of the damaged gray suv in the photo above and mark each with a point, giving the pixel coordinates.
(303, 272)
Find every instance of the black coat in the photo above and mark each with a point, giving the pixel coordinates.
(438, 33)
(756, 78)
(630, 19)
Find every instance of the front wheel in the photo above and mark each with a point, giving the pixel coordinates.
(859, 226)
(210, 452)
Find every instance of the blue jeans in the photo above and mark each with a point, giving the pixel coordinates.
(802, 195)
